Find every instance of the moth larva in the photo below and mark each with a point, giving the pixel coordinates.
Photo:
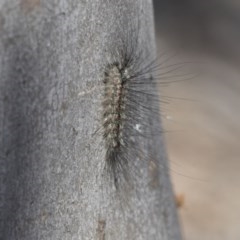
(130, 105)
(127, 81)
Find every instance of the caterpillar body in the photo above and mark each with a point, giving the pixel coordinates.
(130, 116)
(130, 98)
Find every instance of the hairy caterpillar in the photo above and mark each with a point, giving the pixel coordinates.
(129, 99)
(130, 106)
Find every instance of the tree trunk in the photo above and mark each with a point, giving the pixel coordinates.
(52, 186)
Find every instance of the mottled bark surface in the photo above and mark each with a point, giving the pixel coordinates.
(52, 55)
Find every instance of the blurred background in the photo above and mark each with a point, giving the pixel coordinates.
(202, 114)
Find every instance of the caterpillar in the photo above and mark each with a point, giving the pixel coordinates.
(130, 97)
(130, 106)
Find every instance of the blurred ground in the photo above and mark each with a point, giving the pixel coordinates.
(203, 133)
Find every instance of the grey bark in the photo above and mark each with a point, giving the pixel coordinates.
(51, 58)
